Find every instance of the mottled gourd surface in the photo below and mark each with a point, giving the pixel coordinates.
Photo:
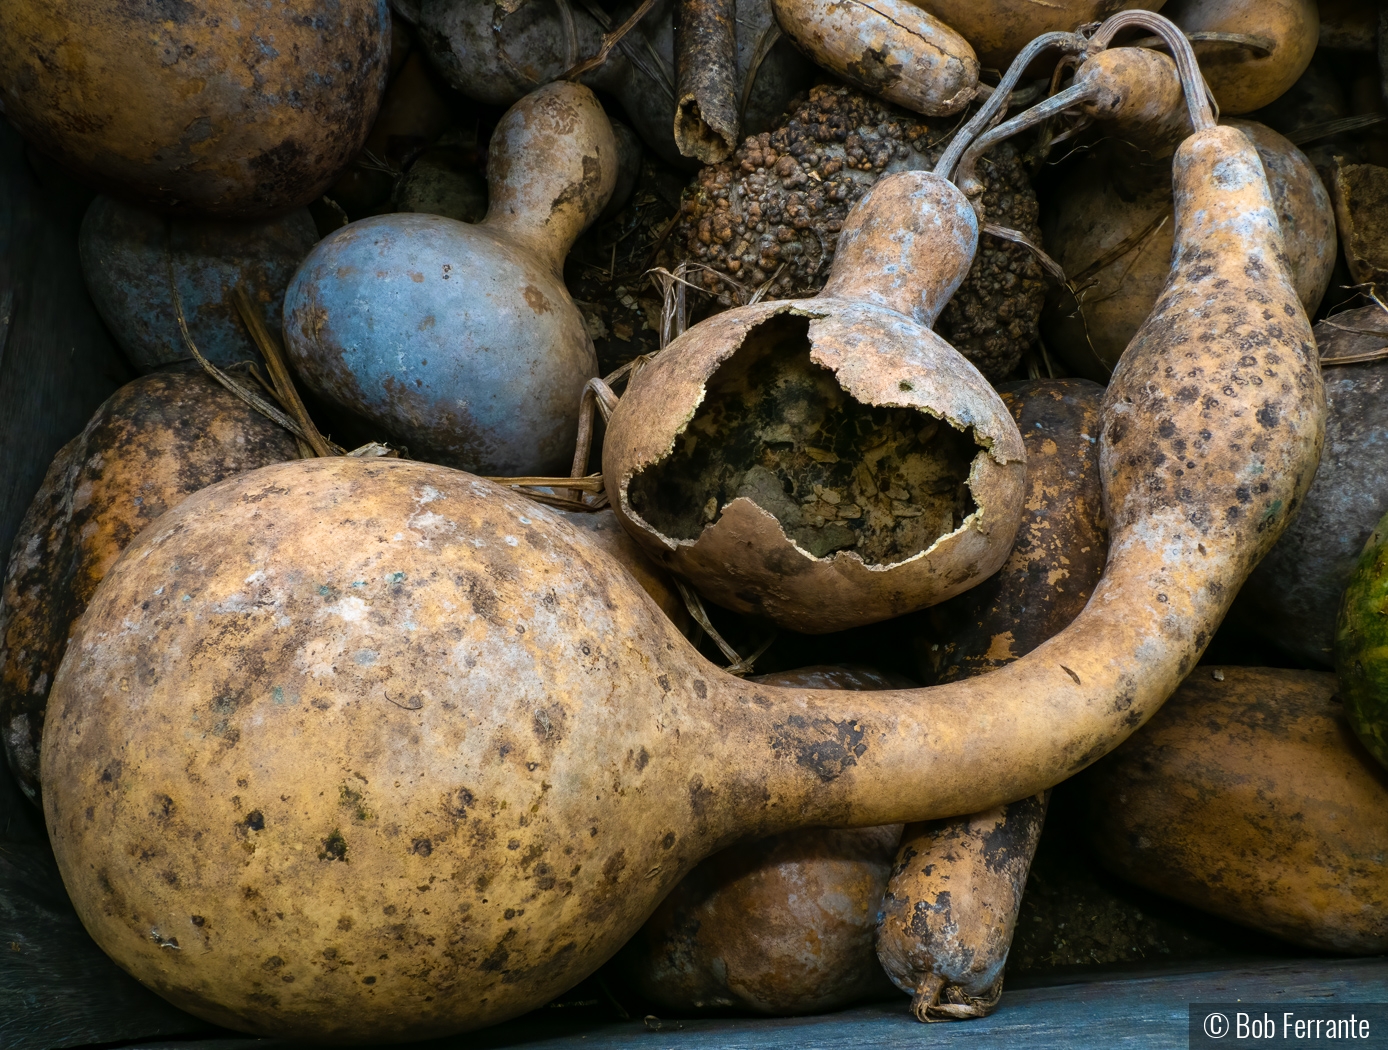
(773, 212)
(778, 429)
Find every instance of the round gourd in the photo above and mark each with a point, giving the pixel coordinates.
(998, 29)
(1361, 645)
(1108, 224)
(226, 106)
(126, 252)
(461, 341)
(1242, 78)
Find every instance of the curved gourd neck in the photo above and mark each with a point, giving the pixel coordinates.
(907, 246)
(552, 165)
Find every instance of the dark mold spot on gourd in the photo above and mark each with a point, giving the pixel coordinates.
(822, 745)
(776, 428)
(334, 847)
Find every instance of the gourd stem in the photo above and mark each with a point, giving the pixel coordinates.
(997, 101)
(1198, 95)
(1071, 96)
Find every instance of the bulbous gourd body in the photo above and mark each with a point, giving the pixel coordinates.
(126, 256)
(516, 756)
(227, 106)
(1247, 78)
(828, 462)
(1110, 227)
(1249, 797)
(461, 341)
(154, 442)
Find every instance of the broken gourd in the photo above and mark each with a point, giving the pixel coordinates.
(458, 340)
(828, 462)
(515, 756)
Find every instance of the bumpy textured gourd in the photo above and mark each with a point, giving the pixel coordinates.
(223, 106)
(891, 48)
(686, 442)
(514, 756)
(461, 340)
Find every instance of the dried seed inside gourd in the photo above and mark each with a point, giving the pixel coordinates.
(776, 428)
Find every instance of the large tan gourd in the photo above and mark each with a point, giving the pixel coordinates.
(468, 757)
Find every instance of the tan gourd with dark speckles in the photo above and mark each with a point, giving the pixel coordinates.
(376, 750)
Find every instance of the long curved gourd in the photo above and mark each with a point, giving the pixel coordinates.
(376, 750)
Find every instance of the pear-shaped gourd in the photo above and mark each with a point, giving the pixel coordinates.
(828, 462)
(460, 340)
(385, 713)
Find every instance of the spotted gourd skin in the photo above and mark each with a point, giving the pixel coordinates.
(153, 442)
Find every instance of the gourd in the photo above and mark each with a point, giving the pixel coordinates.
(130, 256)
(1361, 657)
(780, 925)
(461, 341)
(999, 29)
(225, 106)
(1245, 77)
(490, 703)
(153, 442)
(828, 462)
(1293, 597)
(891, 48)
(1248, 796)
(1109, 227)
(952, 904)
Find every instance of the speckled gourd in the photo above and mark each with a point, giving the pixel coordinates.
(515, 756)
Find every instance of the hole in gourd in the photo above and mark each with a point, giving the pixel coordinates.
(837, 474)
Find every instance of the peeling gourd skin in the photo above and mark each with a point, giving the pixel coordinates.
(515, 756)
(220, 106)
(152, 443)
(903, 251)
(1248, 796)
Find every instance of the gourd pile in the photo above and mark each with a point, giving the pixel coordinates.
(684, 491)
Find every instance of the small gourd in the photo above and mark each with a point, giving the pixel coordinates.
(461, 340)
(828, 462)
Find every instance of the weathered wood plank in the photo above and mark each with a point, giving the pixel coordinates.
(1101, 1013)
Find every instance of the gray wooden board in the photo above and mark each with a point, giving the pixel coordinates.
(1077, 1013)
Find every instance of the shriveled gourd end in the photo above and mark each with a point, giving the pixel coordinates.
(829, 472)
